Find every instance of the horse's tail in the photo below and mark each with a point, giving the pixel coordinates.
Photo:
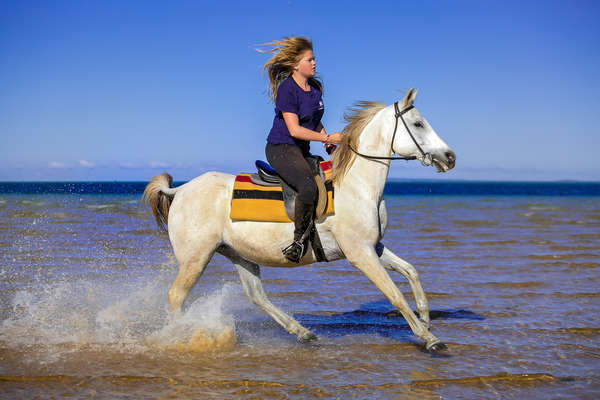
(158, 195)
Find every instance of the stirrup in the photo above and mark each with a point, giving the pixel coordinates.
(294, 251)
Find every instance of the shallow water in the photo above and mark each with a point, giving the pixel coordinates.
(512, 283)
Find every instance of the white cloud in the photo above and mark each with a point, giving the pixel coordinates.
(158, 164)
(57, 165)
(128, 165)
(86, 164)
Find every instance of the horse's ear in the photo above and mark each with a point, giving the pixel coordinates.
(410, 96)
(414, 95)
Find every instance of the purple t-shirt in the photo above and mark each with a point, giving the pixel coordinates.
(307, 105)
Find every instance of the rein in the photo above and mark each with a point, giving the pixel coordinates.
(426, 159)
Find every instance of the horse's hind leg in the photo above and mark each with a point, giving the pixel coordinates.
(250, 277)
(189, 272)
(395, 263)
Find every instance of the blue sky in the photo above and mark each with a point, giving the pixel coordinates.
(122, 90)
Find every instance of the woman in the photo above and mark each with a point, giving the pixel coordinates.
(297, 95)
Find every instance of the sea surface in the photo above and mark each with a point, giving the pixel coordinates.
(511, 271)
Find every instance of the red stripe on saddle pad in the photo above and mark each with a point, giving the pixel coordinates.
(243, 178)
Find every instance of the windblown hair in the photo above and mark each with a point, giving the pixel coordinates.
(287, 54)
(158, 201)
(357, 118)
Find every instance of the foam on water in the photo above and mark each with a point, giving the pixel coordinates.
(68, 315)
(99, 206)
(31, 203)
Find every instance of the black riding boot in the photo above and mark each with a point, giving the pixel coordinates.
(302, 226)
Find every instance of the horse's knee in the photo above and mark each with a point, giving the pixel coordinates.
(405, 268)
(256, 300)
(412, 273)
(254, 295)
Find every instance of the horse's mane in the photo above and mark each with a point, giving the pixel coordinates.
(357, 118)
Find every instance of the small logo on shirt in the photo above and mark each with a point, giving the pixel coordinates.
(321, 105)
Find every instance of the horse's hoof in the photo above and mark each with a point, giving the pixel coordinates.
(307, 337)
(436, 347)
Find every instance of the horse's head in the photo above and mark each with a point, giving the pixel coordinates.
(416, 138)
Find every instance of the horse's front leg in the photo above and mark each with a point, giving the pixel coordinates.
(395, 263)
(367, 261)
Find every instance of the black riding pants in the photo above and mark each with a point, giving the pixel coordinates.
(289, 162)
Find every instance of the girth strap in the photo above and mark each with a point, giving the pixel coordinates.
(315, 241)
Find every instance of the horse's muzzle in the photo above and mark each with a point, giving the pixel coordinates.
(446, 162)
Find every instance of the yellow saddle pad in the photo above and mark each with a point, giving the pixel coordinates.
(252, 202)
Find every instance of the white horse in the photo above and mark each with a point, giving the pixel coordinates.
(198, 220)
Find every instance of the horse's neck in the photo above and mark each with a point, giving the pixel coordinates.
(370, 175)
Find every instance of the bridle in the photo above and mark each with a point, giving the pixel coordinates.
(426, 158)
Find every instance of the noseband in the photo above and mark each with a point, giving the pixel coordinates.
(426, 160)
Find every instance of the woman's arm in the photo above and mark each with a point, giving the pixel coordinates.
(300, 132)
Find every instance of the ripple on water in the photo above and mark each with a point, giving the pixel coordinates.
(429, 229)
(561, 256)
(585, 236)
(31, 203)
(144, 232)
(98, 207)
(575, 295)
(527, 284)
(447, 243)
(30, 232)
(505, 378)
(67, 222)
(474, 223)
(500, 242)
(28, 214)
(574, 247)
(592, 332)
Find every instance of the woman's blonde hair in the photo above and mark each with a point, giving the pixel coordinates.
(288, 52)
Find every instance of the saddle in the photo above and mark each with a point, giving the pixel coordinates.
(267, 176)
(264, 196)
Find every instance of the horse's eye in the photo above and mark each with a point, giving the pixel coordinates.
(419, 124)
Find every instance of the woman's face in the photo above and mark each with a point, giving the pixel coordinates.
(307, 65)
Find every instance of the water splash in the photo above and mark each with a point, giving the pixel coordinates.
(204, 326)
(135, 318)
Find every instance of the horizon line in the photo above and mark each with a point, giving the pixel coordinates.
(392, 180)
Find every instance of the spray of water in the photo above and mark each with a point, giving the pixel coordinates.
(128, 318)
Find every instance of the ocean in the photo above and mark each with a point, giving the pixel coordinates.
(511, 271)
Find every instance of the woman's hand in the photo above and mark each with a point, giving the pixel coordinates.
(335, 138)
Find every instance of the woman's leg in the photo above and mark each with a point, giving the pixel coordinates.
(291, 166)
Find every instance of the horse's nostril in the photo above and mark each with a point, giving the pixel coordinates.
(450, 156)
